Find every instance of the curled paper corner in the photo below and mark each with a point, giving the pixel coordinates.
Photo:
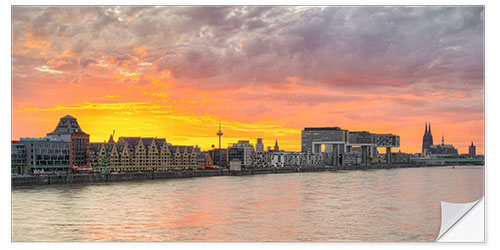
(455, 215)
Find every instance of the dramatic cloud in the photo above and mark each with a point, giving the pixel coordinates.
(386, 69)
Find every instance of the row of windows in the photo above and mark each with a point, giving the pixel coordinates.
(13, 156)
(139, 154)
(51, 151)
(51, 163)
(51, 145)
(18, 152)
(124, 168)
(50, 170)
(18, 161)
(130, 167)
(52, 157)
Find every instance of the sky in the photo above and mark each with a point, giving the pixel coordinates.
(263, 72)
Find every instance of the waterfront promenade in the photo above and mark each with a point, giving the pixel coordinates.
(132, 176)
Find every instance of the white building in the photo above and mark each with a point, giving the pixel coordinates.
(295, 159)
(277, 159)
(235, 164)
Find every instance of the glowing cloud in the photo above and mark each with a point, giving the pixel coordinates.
(268, 72)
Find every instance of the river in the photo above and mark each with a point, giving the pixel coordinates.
(371, 205)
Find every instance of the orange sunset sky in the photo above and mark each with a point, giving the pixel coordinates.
(267, 72)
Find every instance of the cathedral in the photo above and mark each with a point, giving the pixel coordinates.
(428, 147)
(427, 141)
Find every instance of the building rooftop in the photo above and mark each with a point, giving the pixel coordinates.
(359, 132)
(130, 140)
(67, 125)
(323, 128)
(442, 146)
(39, 139)
(242, 143)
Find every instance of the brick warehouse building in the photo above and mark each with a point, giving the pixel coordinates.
(69, 131)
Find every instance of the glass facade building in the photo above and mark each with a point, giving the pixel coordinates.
(44, 155)
(18, 158)
(242, 151)
(324, 135)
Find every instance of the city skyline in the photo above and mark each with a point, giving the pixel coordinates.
(269, 142)
(264, 72)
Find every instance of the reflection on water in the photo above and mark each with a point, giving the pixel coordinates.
(374, 205)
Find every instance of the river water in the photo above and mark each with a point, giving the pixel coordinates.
(371, 205)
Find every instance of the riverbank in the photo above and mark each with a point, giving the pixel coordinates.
(130, 176)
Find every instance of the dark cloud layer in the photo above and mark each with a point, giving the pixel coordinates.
(223, 46)
(382, 68)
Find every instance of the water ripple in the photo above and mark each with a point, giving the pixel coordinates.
(380, 205)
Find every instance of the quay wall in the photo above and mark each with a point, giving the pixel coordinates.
(130, 176)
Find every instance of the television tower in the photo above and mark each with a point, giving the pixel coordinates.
(219, 134)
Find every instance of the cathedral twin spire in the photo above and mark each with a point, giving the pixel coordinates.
(428, 131)
(427, 140)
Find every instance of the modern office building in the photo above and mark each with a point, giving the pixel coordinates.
(472, 149)
(262, 159)
(243, 151)
(44, 155)
(219, 156)
(18, 158)
(337, 142)
(278, 159)
(359, 140)
(350, 158)
(68, 130)
(314, 138)
(292, 159)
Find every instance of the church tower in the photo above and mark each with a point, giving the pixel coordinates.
(427, 140)
(472, 149)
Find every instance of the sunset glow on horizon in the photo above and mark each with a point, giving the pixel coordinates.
(263, 72)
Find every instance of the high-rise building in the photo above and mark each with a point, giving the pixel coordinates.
(68, 130)
(337, 142)
(259, 146)
(427, 140)
(472, 149)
